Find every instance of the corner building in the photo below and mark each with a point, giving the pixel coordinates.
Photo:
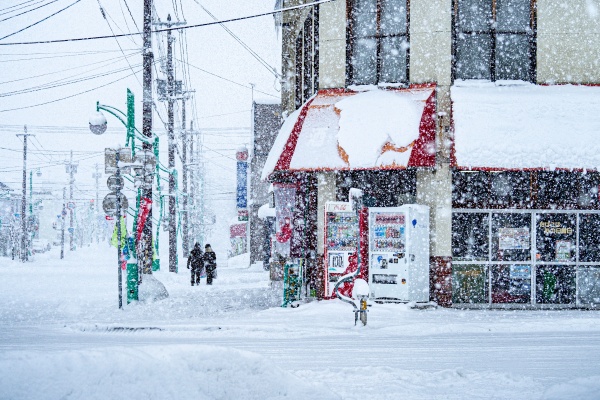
(486, 111)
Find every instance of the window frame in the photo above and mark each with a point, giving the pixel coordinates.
(306, 58)
(493, 32)
(350, 40)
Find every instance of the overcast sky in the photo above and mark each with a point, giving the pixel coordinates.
(210, 49)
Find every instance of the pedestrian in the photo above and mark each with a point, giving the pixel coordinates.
(210, 263)
(196, 261)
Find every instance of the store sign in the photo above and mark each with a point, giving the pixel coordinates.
(555, 228)
(242, 182)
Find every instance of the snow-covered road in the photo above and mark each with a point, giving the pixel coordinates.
(60, 329)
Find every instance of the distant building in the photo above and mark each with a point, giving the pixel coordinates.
(9, 206)
(266, 123)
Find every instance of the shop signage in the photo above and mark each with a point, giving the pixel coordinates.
(555, 228)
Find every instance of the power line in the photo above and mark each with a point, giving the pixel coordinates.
(314, 3)
(68, 97)
(21, 5)
(42, 20)
(28, 11)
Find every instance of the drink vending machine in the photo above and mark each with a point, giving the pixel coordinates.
(341, 239)
(399, 253)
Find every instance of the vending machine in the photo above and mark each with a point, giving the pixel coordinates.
(341, 239)
(399, 253)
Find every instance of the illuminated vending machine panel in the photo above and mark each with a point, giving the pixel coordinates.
(399, 253)
(341, 235)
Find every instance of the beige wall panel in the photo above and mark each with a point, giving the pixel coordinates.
(430, 16)
(568, 41)
(430, 57)
(325, 193)
(568, 16)
(434, 189)
(332, 64)
(568, 58)
(332, 21)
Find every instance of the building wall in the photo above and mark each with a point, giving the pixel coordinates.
(266, 124)
(332, 45)
(568, 41)
(325, 192)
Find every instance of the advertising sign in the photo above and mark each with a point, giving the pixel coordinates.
(242, 181)
(514, 238)
(285, 199)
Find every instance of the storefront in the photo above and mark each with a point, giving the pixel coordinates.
(525, 197)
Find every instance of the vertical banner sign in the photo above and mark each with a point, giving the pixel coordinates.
(242, 184)
(145, 207)
(285, 200)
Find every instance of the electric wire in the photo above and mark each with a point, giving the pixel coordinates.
(42, 20)
(28, 11)
(178, 28)
(21, 5)
(67, 97)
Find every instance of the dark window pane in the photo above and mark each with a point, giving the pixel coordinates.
(393, 17)
(512, 57)
(364, 17)
(511, 237)
(364, 62)
(473, 56)
(470, 189)
(474, 15)
(556, 190)
(555, 284)
(470, 236)
(512, 15)
(588, 285)
(511, 189)
(469, 284)
(589, 238)
(393, 59)
(555, 237)
(511, 283)
(588, 191)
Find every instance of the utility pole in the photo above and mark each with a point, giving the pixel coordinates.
(192, 200)
(171, 98)
(24, 256)
(97, 176)
(62, 225)
(184, 144)
(145, 250)
(71, 169)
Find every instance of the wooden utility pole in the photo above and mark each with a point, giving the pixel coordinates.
(145, 251)
(24, 256)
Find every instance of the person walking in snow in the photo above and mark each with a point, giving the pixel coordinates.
(196, 261)
(210, 263)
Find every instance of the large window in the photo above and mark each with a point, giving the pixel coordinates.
(378, 42)
(494, 39)
(307, 58)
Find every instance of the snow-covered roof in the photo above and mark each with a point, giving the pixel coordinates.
(266, 211)
(516, 125)
(346, 129)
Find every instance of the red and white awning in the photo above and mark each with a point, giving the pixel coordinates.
(520, 126)
(341, 129)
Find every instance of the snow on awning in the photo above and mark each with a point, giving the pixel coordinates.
(340, 129)
(508, 126)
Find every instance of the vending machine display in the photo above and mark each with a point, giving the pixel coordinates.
(399, 253)
(341, 236)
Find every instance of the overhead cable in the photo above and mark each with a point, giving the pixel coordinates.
(25, 12)
(178, 28)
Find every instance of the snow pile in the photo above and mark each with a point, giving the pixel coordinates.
(149, 372)
(151, 289)
(266, 211)
(368, 120)
(581, 389)
(240, 261)
(510, 125)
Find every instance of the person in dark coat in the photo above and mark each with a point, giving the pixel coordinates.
(196, 261)
(210, 263)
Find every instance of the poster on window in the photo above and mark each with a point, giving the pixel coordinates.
(513, 238)
(285, 199)
(563, 250)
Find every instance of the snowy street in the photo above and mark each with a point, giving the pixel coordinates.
(62, 336)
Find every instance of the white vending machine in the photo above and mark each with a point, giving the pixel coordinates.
(399, 253)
